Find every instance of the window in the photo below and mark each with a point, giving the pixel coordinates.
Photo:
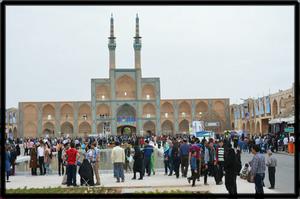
(183, 114)
(103, 97)
(148, 115)
(166, 115)
(49, 117)
(148, 97)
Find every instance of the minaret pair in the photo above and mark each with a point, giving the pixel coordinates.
(137, 45)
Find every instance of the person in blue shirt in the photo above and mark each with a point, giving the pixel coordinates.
(7, 162)
(184, 156)
(193, 163)
(148, 150)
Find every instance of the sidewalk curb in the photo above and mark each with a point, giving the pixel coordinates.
(284, 153)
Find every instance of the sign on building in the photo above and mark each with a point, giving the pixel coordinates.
(198, 126)
(212, 124)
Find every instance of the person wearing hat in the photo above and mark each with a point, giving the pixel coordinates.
(118, 160)
(271, 164)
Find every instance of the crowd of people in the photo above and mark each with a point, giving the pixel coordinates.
(218, 158)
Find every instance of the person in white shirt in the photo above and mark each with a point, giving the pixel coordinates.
(285, 143)
(118, 160)
(292, 139)
(257, 141)
(41, 154)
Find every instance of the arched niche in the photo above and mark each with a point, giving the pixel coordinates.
(125, 87)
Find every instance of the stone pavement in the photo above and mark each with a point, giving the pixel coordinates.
(157, 182)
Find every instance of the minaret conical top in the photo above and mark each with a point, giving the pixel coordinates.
(137, 26)
(111, 26)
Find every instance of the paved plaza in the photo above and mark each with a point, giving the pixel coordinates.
(160, 182)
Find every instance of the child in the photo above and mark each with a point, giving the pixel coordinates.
(193, 168)
(245, 171)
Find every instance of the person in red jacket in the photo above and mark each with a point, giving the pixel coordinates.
(71, 156)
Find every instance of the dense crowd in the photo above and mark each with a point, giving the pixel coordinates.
(208, 157)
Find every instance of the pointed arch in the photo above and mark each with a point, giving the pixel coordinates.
(102, 92)
(48, 128)
(274, 108)
(48, 112)
(30, 113)
(66, 112)
(103, 109)
(248, 126)
(257, 130)
(15, 132)
(149, 126)
(85, 128)
(184, 126)
(149, 110)
(167, 127)
(125, 87)
(30, 130)
(148, 90)
(185, 109)
(167, 110)
(67, 128)
(85, 112)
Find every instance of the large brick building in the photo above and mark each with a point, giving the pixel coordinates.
(256, 115)
(124, 102)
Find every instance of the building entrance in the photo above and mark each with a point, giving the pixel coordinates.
(126, 130)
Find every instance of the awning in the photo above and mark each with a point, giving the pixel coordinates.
(289, 120)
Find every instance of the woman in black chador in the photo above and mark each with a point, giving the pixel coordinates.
(138, 165)
(86, 173)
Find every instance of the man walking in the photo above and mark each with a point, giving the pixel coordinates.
(220, 162)
(118, 159)
(41, 153)
(258, 167)
(95, 161)
(197, 149)
(148, 150)
(271, 164)
(184, 156)
(210, 161)
(71, 156)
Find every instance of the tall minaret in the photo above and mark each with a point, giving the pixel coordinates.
(137, 45)
(112, 45)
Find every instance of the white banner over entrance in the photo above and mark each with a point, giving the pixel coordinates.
(198, 126)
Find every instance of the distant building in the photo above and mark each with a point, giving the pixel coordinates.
(125, 102)
(11, 122)
(256, 115)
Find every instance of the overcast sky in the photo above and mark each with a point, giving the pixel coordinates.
(197, 52)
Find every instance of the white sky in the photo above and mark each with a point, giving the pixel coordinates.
(197, 51)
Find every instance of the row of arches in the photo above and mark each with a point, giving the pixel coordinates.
(84, 128)
(276, 105)
(13, 132)
(65, 128)
(167, 110)
(48, 112)
(185, 109)
(253, 128)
